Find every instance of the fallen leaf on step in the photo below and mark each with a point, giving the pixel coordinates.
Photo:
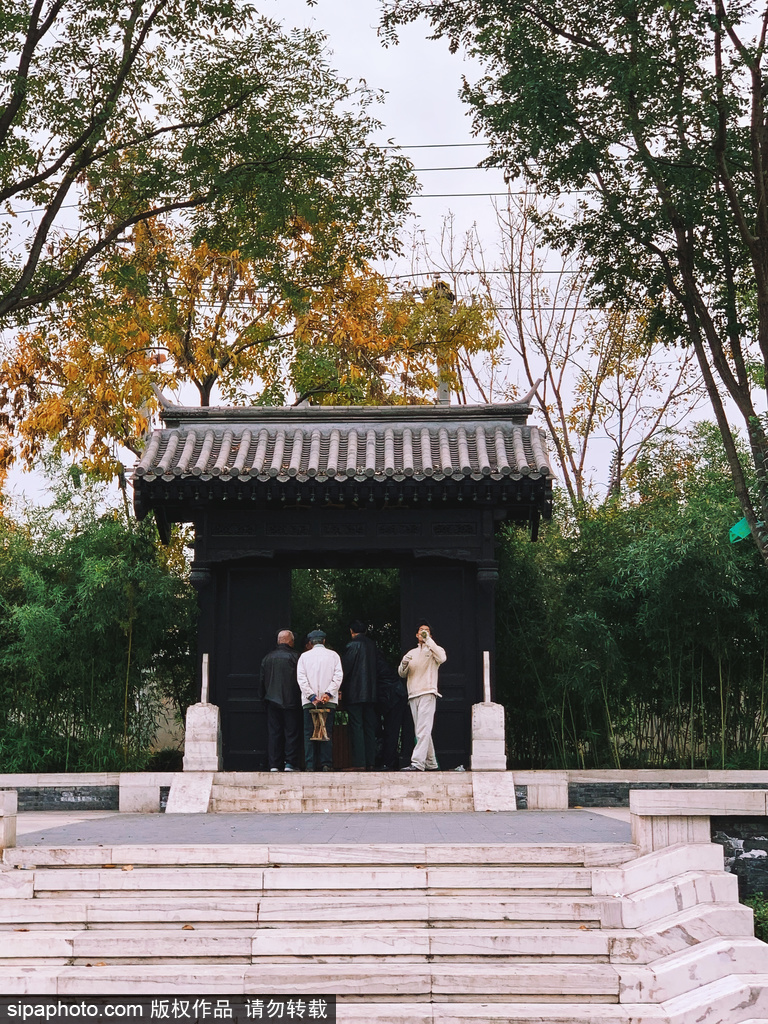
(187, 927)
(101, 963)
(583, 928)
(109, 865)
(21, 929)
(127, 867)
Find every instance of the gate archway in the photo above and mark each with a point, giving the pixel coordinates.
(421, 488)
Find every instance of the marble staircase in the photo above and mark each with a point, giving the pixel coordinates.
(414, 934)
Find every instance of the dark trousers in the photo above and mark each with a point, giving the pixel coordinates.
(362, 734)
(283, 735)
(393, 720)
(318, 753)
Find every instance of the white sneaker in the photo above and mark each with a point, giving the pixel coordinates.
(274, 769)
(290, 768)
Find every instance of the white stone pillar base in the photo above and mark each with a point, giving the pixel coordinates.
(488, 743)
(202, 739)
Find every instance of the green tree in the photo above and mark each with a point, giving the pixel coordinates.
(329, 599)
(113, 112)
(96, 631)
(634, 634)
(655, 116)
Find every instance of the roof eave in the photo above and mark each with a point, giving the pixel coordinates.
(181, 415)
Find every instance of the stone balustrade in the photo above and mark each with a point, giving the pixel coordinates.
(665, 817)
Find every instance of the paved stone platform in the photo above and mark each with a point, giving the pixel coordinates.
(573, 826)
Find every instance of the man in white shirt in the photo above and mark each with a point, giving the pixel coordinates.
(419, 668)
(319, 674)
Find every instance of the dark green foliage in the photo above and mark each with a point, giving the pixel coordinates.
(330, 599)
(130, 110)
(650, 120)
(95, 631)
(636, 635)
(759, 905)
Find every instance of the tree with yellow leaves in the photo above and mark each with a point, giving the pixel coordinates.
(168, 313)
(362, 343)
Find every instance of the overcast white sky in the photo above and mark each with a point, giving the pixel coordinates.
(421, 80)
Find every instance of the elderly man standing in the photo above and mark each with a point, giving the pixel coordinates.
(319, 674)
(279, 690)
(419, 668)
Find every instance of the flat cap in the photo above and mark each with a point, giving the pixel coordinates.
(316, 634)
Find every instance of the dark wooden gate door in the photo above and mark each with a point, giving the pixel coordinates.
(446, 596)
(252, 605)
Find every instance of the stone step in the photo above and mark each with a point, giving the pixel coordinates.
(281, 792)
(535, 911)
(657, 867)
(686, 890)
(566, 880)
(732, 1000)
(319, 944)
(696, 966)
(338, 854)
(379, 981)
(490, 1013)
(325, 944)
(288, 782)
(681, 931)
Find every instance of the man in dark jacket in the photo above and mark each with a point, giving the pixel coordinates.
(391, 707)
(279, 690)
(359, 695)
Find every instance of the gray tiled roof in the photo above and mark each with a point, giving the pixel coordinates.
(344, 443)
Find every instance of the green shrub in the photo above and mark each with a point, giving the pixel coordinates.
(759, 905)
(96, 635)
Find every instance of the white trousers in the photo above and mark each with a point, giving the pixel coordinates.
(423, 712)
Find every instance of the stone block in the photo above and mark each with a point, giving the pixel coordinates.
(9, 802)
(202, 739)
(488, 743)
(702, 964)
(548, 796)
(190, 793)
(656, 867)
(487, 721)
(19, 885)
(492, 790)
(697, 802)
(138, 795)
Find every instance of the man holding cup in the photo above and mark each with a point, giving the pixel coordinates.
(419, 669)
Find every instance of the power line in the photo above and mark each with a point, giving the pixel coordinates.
(440, 145)
(466, 167)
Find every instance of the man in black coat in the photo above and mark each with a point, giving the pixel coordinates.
(359, 695)
(279, 690)
(391, 708)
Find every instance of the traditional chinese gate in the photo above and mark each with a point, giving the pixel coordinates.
(421, 488)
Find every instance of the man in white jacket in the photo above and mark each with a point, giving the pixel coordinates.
(319, 674)
(419, 669)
